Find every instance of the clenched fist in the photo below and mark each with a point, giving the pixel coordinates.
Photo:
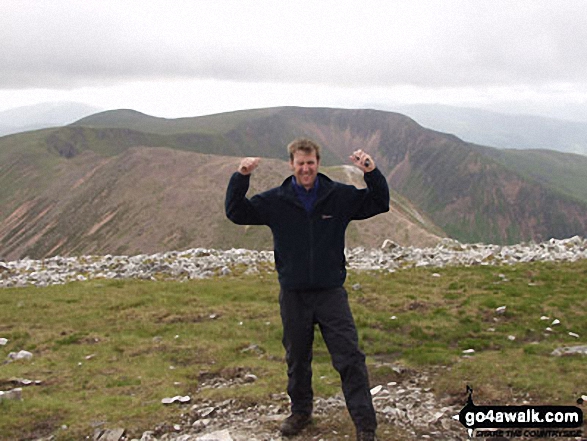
(247, 165)
(363, 160)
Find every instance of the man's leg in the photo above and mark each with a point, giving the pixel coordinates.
(298, 338)
(340, 334)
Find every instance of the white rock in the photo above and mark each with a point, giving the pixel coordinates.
(10, 395)
(109, 434)
(20, 355)
(376, 390)
(221, 435)
(3, 341)
(250, 378)
(177, 399)
(572, 350)
(148, 436)
(573, 334)
(226, 271)
(206, 411)
(203, 263)
(501, 309)
(13, 394)
(389, 244)
(555, 322)
(469, 351)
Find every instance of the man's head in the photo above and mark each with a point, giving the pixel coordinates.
(303, 145)
(304, 160)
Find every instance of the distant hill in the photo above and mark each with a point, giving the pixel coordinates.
(39, 116)
(124, 182)
(502, 130)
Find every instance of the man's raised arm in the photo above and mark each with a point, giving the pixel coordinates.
(376, 195)
(238, 208)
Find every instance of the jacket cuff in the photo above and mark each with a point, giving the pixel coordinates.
(373, 172)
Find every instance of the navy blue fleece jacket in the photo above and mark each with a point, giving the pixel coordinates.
(309, 247)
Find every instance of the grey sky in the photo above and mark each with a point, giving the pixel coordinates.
(184, 58)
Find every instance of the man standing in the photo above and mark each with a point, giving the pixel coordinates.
(308, 215)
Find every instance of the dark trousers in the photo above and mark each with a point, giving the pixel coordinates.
(300, 311)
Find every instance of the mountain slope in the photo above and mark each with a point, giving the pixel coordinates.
(468, 194)
(146, 200)
(561, 171)
(128, 188)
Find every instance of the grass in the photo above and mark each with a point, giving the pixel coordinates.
(108, 351)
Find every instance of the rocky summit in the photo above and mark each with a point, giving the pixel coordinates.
(200, 263)
(407, 403)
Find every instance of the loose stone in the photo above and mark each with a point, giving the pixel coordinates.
(201, 263)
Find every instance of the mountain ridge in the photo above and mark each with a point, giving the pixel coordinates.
(461, 189)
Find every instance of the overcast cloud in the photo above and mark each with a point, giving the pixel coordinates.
(184, 58)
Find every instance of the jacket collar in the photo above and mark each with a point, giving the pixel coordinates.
(324, 188)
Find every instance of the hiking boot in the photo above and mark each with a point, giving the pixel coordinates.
(366, 436)
(294, 424)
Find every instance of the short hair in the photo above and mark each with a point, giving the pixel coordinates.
(304, 145)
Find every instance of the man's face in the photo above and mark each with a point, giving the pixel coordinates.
(305, 168)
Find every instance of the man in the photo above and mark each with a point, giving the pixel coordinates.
(308, 215)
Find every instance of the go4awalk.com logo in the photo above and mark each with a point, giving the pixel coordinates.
(520, 421)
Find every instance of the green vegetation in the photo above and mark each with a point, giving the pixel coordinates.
(110, 350)
(561, 171)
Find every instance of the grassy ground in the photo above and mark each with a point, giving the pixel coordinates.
(108, 351)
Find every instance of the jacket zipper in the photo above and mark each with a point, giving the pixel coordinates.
(311, 234)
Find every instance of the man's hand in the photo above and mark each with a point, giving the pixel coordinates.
(247, 165)
(363, 160)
